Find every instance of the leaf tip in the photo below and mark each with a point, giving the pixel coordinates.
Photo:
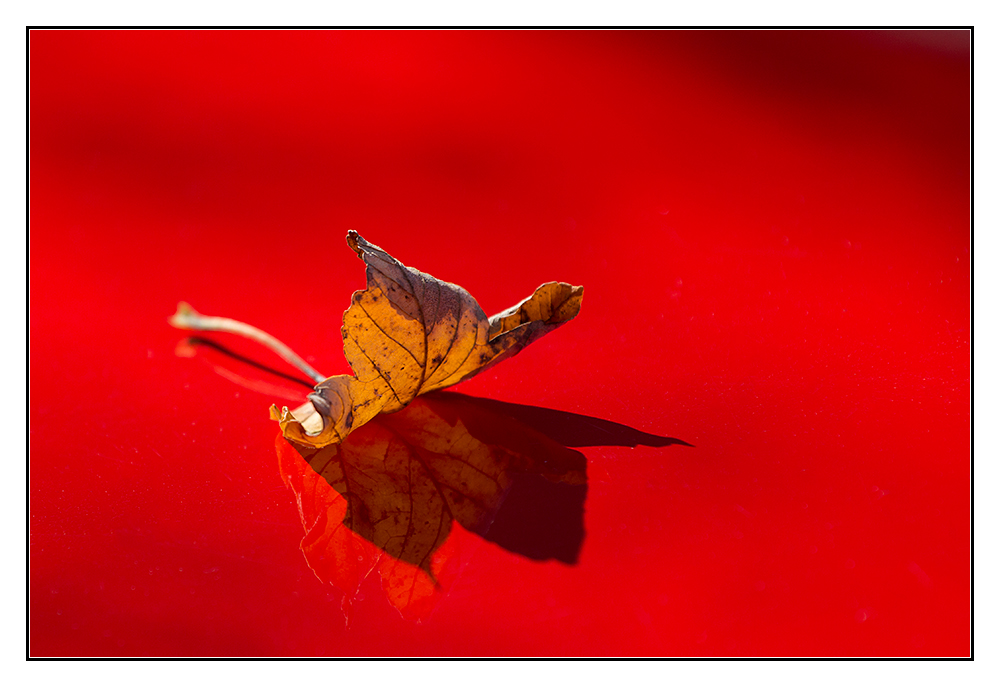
(571, 306)
(353, 239)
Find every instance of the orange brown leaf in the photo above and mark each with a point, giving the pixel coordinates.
(407, 334)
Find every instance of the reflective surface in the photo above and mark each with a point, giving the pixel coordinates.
(772, 230)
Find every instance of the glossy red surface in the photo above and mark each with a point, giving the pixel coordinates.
(773, 233)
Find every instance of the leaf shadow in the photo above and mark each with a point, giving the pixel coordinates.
(573, 429)
(387, 498)
(540, 518)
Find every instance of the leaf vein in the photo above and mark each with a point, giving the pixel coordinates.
(377, 369)
(385, 334)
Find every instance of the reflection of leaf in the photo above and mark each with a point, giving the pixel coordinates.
(407, 334)
(402, 481)
(529, 487)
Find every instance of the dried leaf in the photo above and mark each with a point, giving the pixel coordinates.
(398, 485)
(407, 334)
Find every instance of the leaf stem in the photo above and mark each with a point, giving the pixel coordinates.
(187, 317)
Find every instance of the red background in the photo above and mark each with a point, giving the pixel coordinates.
(773, 233)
